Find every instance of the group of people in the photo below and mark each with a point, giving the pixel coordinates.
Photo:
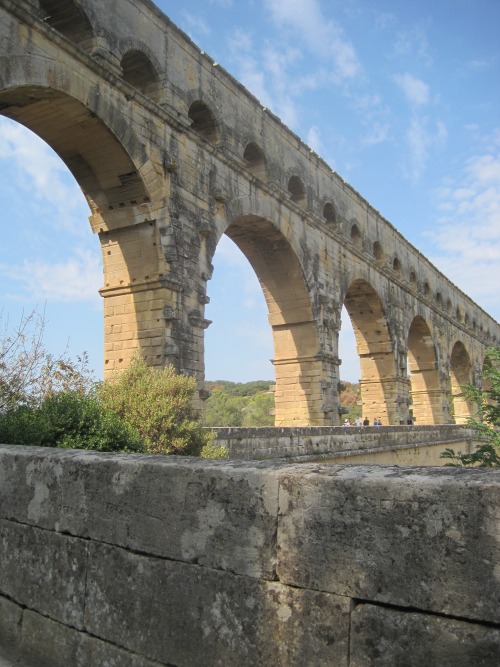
(366, 422)
(376, 422)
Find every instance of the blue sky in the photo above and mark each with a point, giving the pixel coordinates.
(401, 98)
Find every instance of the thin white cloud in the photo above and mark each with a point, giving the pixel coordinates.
(314, 139)
(267, 78)
(75, 279)
(413, 44)
(229, 258)
(415, 90)
(259, 334)
(467, 237)
(323, 37)
(196, 24)
(422, 137)
(385, 20)
(378, 133)
(36, 169)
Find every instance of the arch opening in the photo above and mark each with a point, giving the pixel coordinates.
(112, 186)
(380, 385)
(255, 161)
(378, 253)
(426, 393)
(460, 375)
(329, 215)
(289, 311)
(203, 122)
(356, 237)
(297, 191)
(349, 372)
(139, 71)
(53, 269)
(97, 160)
(70, 20)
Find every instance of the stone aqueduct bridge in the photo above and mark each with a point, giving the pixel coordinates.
(171, 153)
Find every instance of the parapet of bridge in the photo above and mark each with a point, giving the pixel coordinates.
(402, 445)
(171, 153)
(143, 561)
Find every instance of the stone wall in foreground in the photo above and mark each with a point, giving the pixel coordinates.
(137, 561)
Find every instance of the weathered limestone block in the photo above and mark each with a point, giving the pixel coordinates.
(403, 536)
(10, 624)
(184, 614)
(382, 637)
(220, 514)
(47, 643)
(43, 570)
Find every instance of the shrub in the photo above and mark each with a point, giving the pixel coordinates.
(24, 425)
(158, 404)
(214, 451)
(487, 424)
(69, 420)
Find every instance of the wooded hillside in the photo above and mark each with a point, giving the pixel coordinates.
(252, 403)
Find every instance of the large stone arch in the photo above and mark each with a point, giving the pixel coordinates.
(99, 162)
(85, 128)
(297, 359)
(33, 78)
(380, 385)
(460, 375)
(427, 394)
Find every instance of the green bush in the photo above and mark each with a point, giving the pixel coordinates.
(214, 451)
(487, 423)
(69, 420)
(24, 426)
(158, 405)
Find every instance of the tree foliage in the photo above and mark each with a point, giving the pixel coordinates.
(252, 403)
(158, 405)
(487, 421)
(29, 374)
(240, 404)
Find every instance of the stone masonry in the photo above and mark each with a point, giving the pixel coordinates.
(171, 153)
(143, 561)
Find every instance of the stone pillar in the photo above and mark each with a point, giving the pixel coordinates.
(385, 397)
(384, 391)
(142, 296)
(306, 391)
(429, 397)
(306, 379)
